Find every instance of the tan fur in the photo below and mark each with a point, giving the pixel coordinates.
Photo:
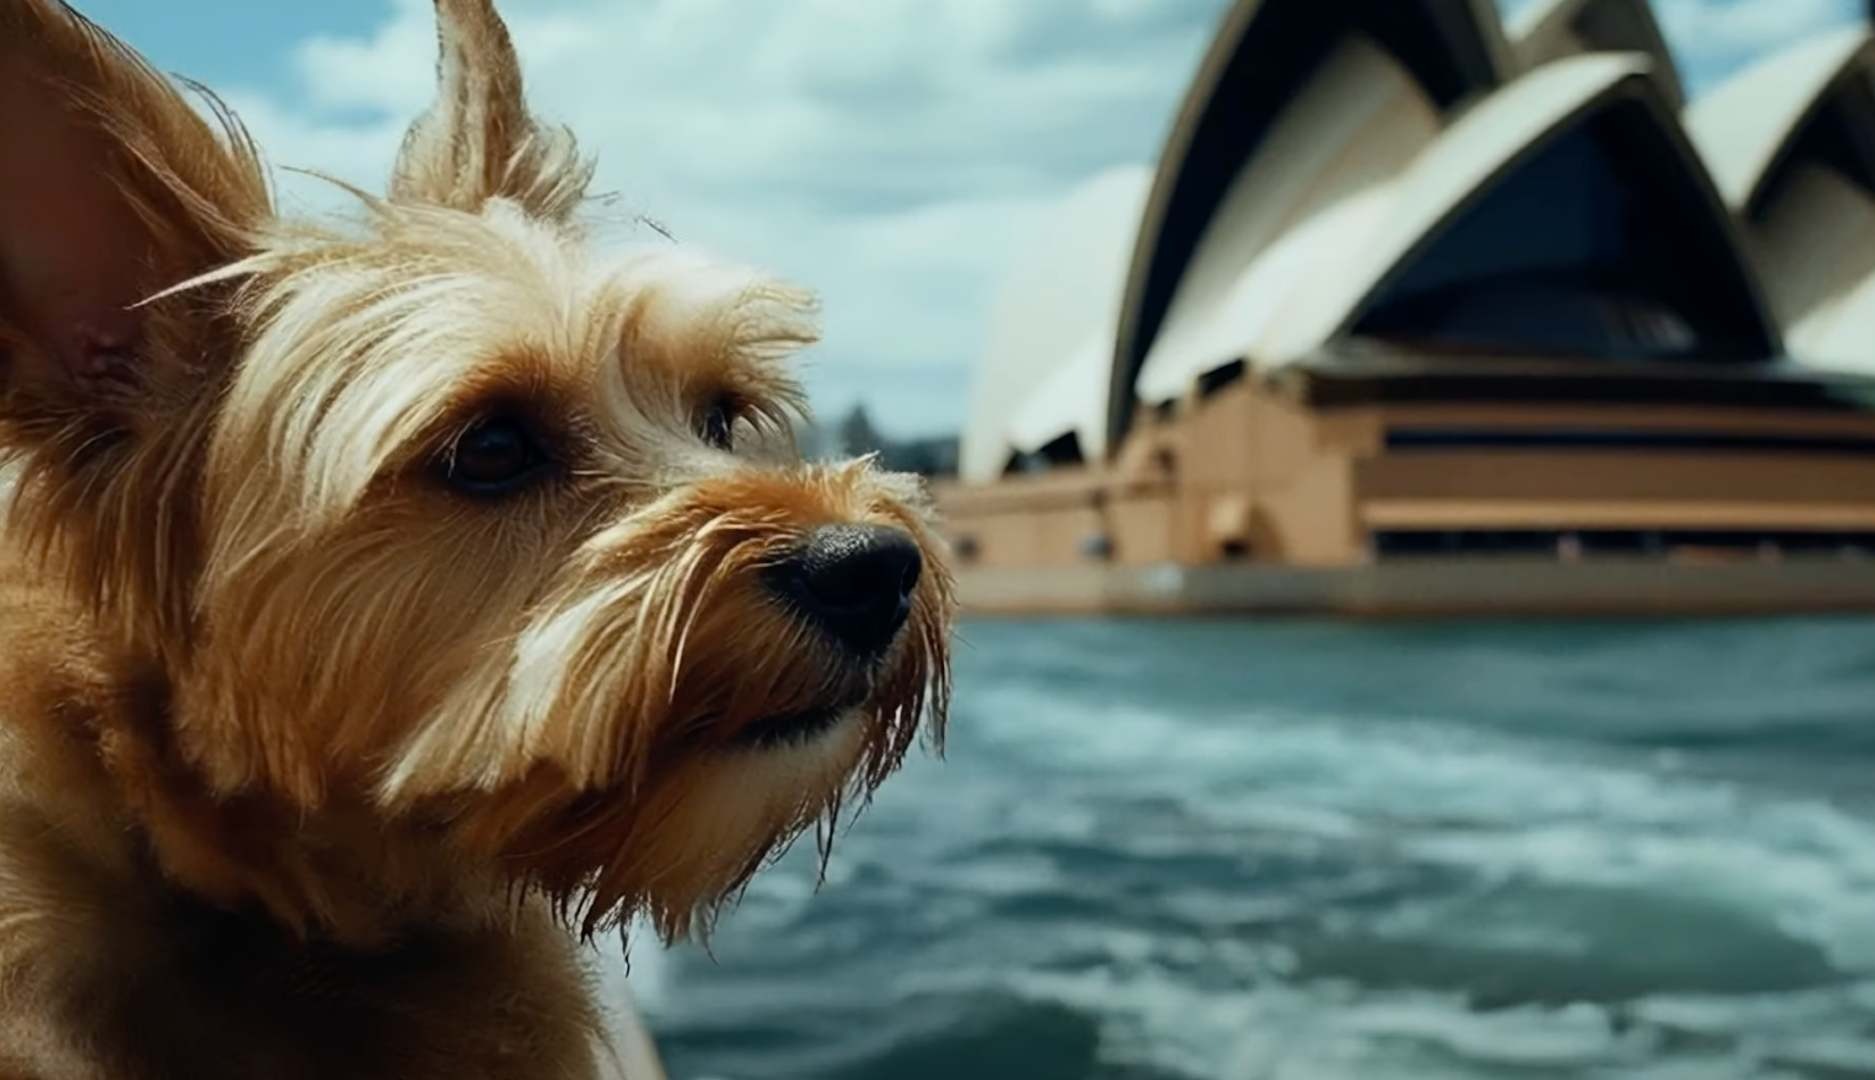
(312, 766)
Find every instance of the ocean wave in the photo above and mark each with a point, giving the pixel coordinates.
(1128, 870)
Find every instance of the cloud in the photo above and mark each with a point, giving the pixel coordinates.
(1712, 38)
(884, 152)
(881, 151)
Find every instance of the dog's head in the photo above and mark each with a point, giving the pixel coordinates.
(446, 515)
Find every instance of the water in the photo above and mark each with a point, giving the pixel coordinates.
(1169, 850)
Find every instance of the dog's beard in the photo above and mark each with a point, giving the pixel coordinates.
(664, 725)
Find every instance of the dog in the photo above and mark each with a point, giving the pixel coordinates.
(390, 603)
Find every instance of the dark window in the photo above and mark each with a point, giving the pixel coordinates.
(1424, 543)
(1409, 439)
(1220, 377)
(1421, 543)
(1065, 450)
(1098, 546)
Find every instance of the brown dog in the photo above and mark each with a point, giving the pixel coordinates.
(383, 605)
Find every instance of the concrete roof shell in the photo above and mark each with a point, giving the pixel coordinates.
(1263, 50)
(1552, 30)
(1290, 296)
(1749, 124)
(1791, 141)
(1063, 288)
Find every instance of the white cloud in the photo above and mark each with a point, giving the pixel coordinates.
(1711, 37)
(881, 151)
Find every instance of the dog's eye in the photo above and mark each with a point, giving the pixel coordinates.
(718, 424)
(497, 455)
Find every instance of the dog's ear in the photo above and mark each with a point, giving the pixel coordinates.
(112, 188)
(478, 141)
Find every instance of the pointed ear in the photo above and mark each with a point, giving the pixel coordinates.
(111, 189)
(477, 141)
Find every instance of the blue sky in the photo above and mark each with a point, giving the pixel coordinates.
(886, 152)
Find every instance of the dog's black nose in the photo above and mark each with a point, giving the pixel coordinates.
(854, 581)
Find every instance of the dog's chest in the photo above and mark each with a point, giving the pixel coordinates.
(231, 997)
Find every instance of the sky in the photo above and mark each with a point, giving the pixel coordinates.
(888, 153)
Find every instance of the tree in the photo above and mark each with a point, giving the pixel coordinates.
(857, 435)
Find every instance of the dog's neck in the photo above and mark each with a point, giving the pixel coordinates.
(340, 872)
(102, 723)
(224, 936)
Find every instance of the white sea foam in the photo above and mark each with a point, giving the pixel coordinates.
(1502, 809)
(1238, 891)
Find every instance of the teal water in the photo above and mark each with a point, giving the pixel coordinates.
(1293, 849)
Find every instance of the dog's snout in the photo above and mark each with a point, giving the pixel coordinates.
(854, 581)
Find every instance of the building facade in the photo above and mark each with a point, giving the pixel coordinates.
(1419, 311)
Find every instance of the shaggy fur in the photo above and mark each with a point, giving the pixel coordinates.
(312, 764)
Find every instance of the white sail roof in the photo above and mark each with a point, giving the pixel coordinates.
(1792, 140)
(1064, 289)
(1744, 127)
(1343, 168)
(1299, 208)
(1326, 266)
(1485, 150)
(1818, 243)
(1266, 53)
(1550, 30)
(1072, 400)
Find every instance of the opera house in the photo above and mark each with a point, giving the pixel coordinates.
(1421, 311)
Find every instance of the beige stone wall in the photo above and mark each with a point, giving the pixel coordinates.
(1143, 526)
(1604, 490)
(1050, 520)
(1249, 475)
